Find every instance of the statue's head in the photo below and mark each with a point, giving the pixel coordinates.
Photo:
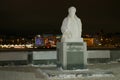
(72, 11)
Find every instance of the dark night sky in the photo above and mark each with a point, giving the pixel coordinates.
(46, 16)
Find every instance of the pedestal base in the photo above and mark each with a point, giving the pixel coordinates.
(72, 55)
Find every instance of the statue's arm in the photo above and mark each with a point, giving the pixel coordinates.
(64, 25)
(80, 23)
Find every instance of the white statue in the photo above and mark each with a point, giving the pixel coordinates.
(71, 27)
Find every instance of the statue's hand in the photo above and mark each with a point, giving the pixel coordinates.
(68, 35)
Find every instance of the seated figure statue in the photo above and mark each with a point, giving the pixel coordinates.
(71, 27)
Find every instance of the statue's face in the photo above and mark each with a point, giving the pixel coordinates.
(72, 11)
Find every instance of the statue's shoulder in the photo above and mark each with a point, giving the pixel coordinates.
(65, 19)
(78, 19)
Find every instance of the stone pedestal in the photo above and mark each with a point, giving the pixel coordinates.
(72, 55)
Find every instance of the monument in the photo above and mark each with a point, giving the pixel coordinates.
(72, 49)
(71, 27)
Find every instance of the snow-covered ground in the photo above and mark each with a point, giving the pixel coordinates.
(83, 73)
(106, 71)
(100, 71)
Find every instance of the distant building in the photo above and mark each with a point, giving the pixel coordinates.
(39, 41)
(89, 41)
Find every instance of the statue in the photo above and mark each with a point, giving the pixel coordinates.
(71, 27)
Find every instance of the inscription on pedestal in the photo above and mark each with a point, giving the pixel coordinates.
(74, 47)
(72, 55)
